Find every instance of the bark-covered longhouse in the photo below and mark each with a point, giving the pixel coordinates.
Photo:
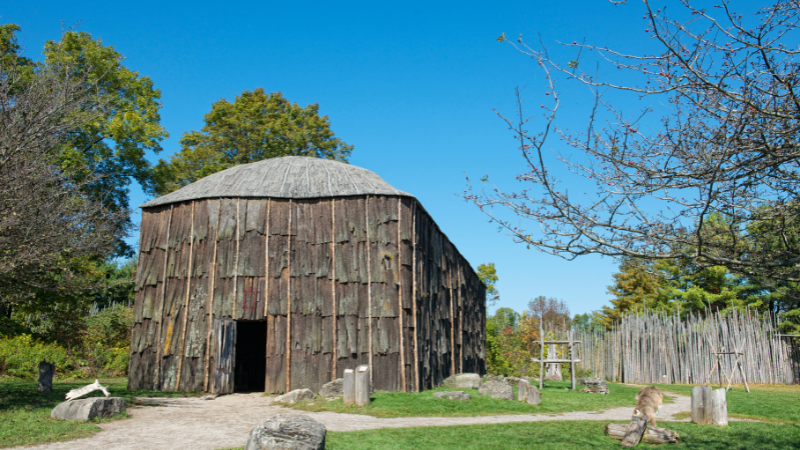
(280, 274)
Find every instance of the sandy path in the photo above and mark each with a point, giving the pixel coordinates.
(192, 423)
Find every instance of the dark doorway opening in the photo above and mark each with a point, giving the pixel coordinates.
(251, 356)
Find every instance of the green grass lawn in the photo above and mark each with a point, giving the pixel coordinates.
(562, 435)
(556, 398)
(780, 403)
(25, 412)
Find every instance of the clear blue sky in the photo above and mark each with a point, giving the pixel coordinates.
(410, 84)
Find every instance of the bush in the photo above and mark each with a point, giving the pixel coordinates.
(20, 357)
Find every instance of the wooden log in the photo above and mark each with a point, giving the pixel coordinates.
(698, 411)
(349, 387)
(719, 408)
(635, 431)
(652, 435)
(46, 372)
(362, 383)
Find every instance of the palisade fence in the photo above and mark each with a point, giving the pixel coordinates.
(653, 347)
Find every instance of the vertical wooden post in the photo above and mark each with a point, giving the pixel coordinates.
(414, 292)
(266, 261)
(541, 351)
(349, 387)
(572, 359)
(461, 322)
(744, 377)
(210, 304)
(236, 262)
(452, 320)
(369, 292)
(399, 276)
(362, 384)
(289, 302)
(719, 408)
(335, 352)
(266, 287)
(157, 380)
(698, 406)
(186, 303)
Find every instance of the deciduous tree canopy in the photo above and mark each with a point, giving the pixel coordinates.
(722, 87)
(254, 127)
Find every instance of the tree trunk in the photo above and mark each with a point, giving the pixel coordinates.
(46, 372)
(652, 435)
(635, 431)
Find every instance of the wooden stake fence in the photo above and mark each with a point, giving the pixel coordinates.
(652, 347)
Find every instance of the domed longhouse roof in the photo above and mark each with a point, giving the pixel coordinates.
(286, 177)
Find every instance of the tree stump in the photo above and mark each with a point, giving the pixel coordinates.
(46, 372)
(635, 431)
(362, 386)
(719, 408)
(652, 435)
(349, 387)
(534, 397)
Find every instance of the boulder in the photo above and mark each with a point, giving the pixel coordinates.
(453, 395)
(593, 385)
(287, 432)
(463, 381)
(335, 388)
(497, 389)
(297, 395)
(89, 408)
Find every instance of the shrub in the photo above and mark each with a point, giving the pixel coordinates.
(20, 357)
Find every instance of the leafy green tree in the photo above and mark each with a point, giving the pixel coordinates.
(103, 155)
(256, 126)
(488, 275)
(111, 149)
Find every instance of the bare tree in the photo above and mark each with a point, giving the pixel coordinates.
(708, 172)
(48, 228)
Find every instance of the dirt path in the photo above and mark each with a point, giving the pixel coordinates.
(192, 423)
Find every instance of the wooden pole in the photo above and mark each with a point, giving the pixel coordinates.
(266, 289)
(289, 302)
(335, 351)
(399, 277)
(369, 292)
(236, 263)
(210, 305)
(452, 320)
(186, 303)
(541, 351)
(157, 380)
(414, 292)
(572, 360)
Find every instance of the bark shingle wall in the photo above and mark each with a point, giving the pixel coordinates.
(340, 282)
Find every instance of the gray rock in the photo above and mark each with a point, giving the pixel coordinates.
(594, 385)
(335, 388)
(287, 432)
(89, 408)
(497, 389)
(463, 381)
(453, 395)
(297, 395)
